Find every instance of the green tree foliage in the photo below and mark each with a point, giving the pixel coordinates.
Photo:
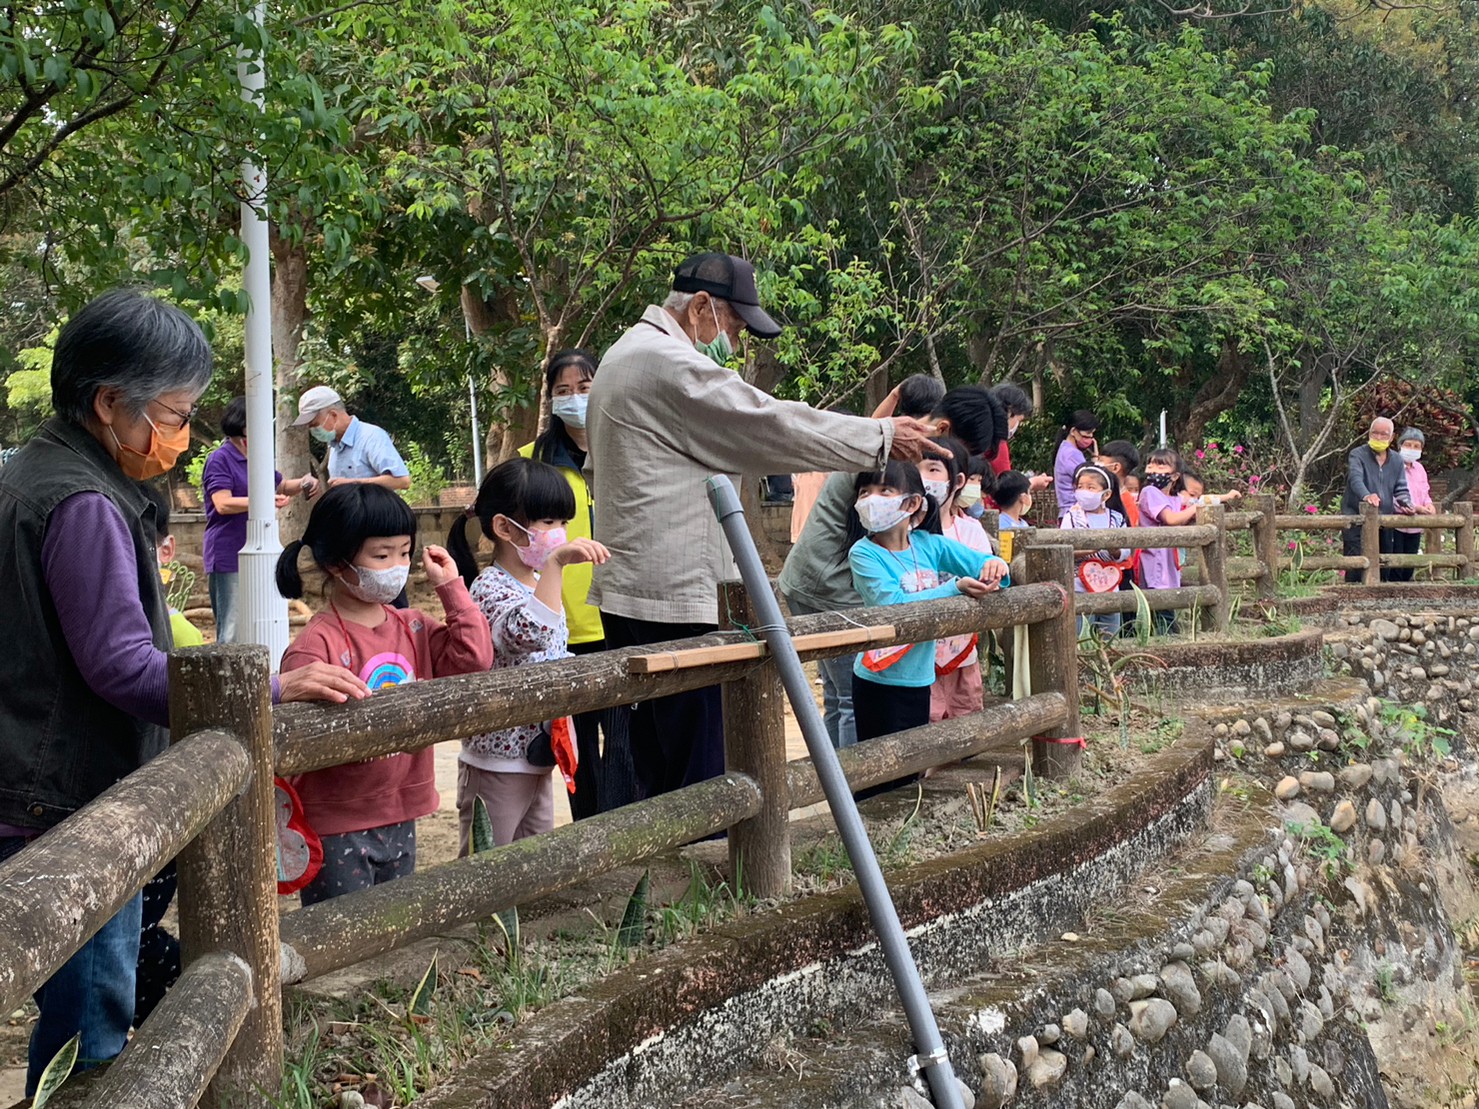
(1254, 220)
(565, 172)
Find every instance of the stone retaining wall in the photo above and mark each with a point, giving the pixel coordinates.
(639, 1037)
(1229, 671)
(1278, 990)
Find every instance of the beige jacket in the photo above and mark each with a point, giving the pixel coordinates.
(663, 418)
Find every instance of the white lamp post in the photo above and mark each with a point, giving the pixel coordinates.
(431, 285)
(262, 613)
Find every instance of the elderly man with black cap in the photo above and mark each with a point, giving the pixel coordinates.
(664, 415)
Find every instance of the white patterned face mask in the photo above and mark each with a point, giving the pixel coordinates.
(377, 587)
(937, 489)
(880, 512)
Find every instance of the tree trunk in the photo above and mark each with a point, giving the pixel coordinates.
(1311, 392)
(980, 349)
(510, 430)
(1217, 395)
(289, 313)
(764, 370)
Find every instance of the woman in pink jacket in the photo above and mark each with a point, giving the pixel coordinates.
(1420, 501)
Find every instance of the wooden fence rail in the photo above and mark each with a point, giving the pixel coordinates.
(346, 930)
(172, 1059)
(1210, 539)
(61, 889)
(410, 717)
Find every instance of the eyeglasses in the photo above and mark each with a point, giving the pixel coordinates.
(184, 417)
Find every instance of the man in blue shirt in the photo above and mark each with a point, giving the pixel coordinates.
(357, 451)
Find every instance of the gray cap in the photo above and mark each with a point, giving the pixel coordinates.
(1413, 434)
(314, 401)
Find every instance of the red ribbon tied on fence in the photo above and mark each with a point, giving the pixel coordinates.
(1070, 741)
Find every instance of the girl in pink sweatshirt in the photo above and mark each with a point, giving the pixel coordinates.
(361, 536)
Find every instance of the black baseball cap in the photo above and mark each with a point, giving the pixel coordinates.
(730, 279)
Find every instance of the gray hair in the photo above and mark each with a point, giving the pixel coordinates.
(1381, 420)
(678, 302)
(1414, 435)
(129, 341)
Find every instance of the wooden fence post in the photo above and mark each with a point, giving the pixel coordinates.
(1370, 543)
(755, 744)
(991, 522)
(1266, 544)
(1053, 649)
(228, 875)
(1214, 562)
(1464, 540)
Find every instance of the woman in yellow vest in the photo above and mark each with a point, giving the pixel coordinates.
(601, 783)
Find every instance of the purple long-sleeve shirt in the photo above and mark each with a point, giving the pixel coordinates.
(88, 560)
(101, 613)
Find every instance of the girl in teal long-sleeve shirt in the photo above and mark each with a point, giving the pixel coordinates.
(898, 557)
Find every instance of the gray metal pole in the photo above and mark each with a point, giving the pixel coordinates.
(933, 1059)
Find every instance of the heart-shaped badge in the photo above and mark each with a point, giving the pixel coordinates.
(1098, 577)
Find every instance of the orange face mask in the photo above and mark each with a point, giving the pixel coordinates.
(164, 451)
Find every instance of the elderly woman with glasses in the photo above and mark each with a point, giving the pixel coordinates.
(84, 684)
(1419, 500)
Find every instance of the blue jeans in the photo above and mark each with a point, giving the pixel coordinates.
(836, 673)
(91, 993)
(223, 591)
(1107, 624)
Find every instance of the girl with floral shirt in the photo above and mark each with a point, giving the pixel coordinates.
(523, 507)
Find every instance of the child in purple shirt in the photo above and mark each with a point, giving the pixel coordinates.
(1161, 505)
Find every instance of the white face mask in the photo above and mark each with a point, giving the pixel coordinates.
(937, 489)
(570, 410)
(879, 512)
(1090, 500)
(377, 587)
(1409, 455)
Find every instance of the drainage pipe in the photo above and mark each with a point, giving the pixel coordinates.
(932, 1057)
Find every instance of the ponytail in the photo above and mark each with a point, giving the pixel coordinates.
(340, 523)
(460, 548)
(523, 489)
(289, 580)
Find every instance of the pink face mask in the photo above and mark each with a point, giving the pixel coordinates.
(542, 544)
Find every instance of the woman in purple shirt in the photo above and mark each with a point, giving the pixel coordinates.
(1419, 501)
(1075, 447)
(84, 690)
(224, 483)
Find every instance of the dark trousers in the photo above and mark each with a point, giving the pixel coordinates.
(604, 776)
(881, 710)
(676, 740)
(1403, 543)
(1350, 545)
(159, 951)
